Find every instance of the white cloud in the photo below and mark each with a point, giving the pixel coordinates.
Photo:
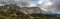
(1, 4)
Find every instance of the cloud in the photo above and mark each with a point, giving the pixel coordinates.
(47, 5)
(50, 6)
(22, 3)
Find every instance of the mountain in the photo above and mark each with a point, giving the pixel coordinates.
(10, 10)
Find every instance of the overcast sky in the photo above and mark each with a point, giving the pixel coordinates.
(46, 5)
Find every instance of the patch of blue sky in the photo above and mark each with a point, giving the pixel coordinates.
(35, 1)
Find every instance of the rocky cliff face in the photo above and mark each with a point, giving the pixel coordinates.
(33, 10)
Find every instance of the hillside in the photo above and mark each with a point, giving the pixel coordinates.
(12, 11)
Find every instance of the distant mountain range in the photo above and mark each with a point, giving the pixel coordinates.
(26, 10)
